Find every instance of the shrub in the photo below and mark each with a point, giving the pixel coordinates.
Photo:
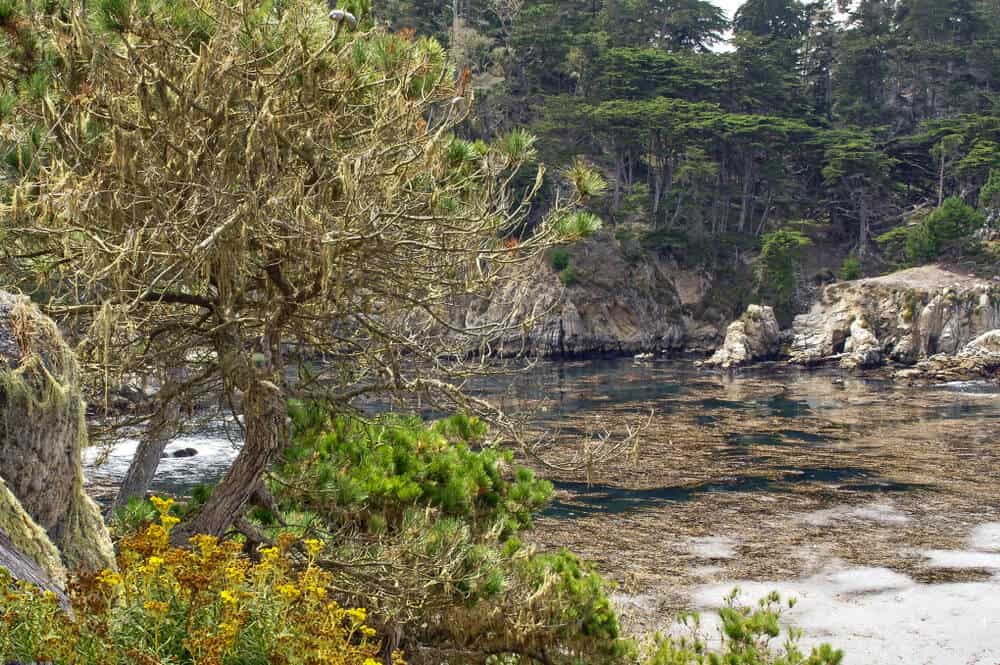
(372, 472)
(746, 634)
(775, 271)
(850, 269)
(430, 523)
(893, 244)
(921, 245)
(953, 221)
(569, 276)
(989, 195)
(208, 605)
(559, 259)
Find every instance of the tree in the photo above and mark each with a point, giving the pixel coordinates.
(945, 152)
(676, 25)
(857, 173)
(860, 78)
(776, 19)
(775, 271)
(229, 190)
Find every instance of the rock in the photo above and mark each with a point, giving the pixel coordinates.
(861, 348)
(979, 358)
(617, 305)
(42, 433)
(754, 336)
(184, 452)
(909, 315)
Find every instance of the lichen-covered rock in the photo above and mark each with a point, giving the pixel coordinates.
(612, 305)
(42, 433)
(861, 348)
(27, 537)
(754, 336)
(979, 358)
(912, 315)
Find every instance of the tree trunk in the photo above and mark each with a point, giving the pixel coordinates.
(25, 568)
(144, 464)
(265, 413)
(147, 456)
(863, 226)
(747, 191)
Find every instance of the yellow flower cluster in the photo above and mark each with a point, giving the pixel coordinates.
(207, 605)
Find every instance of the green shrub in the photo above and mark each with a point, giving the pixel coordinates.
(373, 472)
(775, 271)
(429, 523)
(850, 269)
(947, 230)
(569, 276)
(953, 221)
(559, 259)
(893, 244)
(746, 636)
(921, 245)
(989, 195)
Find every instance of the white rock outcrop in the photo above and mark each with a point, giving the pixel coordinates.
(908, 316)
(754, 336)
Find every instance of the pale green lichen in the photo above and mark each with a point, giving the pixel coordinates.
(29, 538)
(42, 405)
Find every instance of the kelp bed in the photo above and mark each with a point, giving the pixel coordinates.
(773, 474)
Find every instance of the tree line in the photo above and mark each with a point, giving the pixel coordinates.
(851, 114)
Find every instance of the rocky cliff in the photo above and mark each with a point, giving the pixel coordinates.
(905, 317)
(614, 303)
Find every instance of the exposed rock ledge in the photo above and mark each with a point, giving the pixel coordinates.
(617, 305)
(905, 317)
(754, 336)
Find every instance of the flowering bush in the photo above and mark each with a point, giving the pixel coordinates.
(207, 605)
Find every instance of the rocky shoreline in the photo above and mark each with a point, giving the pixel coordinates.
(937, 324)
(922, 324)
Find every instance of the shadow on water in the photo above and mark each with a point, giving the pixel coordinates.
(590, 499)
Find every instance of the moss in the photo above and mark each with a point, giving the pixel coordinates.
(43, 434)
(29, 538)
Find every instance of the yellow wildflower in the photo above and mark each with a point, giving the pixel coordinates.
(109, 578)
(169, 521)
(162, 506)
(289, 591)
(207, 545)
(317, 591)
(359, 614)
(227, 597)
(371, 661)
(234, 574)
(156, 535)
(313, 546)
(228, 630)
(367, 631)
(156, 608)
(153, 564)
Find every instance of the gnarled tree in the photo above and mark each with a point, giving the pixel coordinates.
(228, 189)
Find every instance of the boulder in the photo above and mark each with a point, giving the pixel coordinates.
(754, 336)
(910, 315)
(861, 349)
(977, 359)
(42, 433)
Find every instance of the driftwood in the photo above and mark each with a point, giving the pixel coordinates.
(24, 568)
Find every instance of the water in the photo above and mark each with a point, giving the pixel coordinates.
(874, 502)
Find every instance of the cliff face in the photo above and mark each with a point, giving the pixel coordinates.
(905, 317)
(615, 305)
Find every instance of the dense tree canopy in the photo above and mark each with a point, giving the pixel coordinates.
(838, 112)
